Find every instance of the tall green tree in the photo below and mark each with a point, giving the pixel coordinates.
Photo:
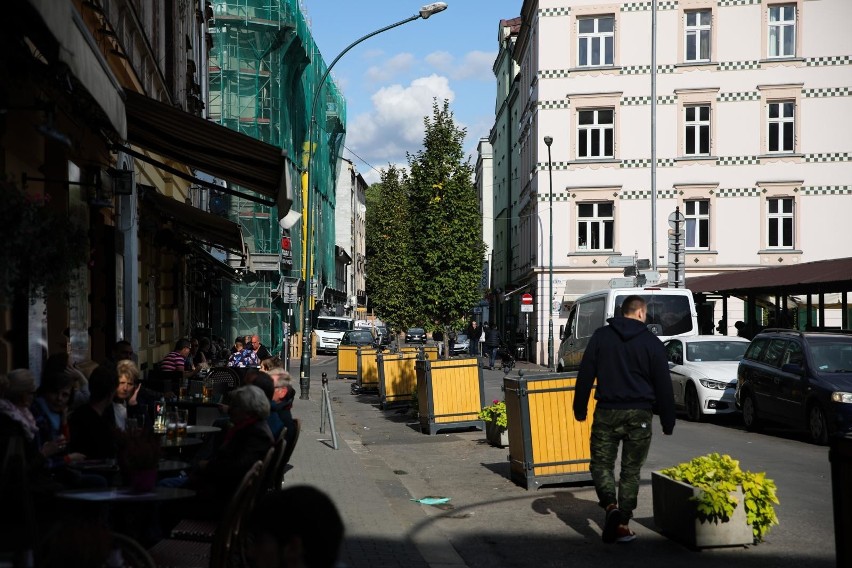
(391, 268)
(447, 243)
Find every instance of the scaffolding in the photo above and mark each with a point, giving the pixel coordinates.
(263, 70)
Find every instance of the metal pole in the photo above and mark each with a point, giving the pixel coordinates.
(548, 140)
(305, 366)
(654, 135)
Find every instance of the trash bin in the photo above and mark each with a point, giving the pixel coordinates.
(840, 456)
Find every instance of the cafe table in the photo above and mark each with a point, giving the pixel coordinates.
(200, 430)
(180, 445)
(125, 495)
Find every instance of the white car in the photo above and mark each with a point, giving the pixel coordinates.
(704, 373)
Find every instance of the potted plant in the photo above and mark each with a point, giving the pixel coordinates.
(709, 501)
(139, 458)
(496, 423)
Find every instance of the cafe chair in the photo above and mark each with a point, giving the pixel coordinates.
(222, 379)
(288, 451)
(179, 553)
(131, 553)
(203, 530)
(272, 481)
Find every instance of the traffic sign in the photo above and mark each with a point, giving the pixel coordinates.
(526, 300)
(676, 220)
(651, 275)
(619, 261)
(622, 283)
(526, 308)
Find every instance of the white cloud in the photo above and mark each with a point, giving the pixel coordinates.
(474, 65)
(395, 124)
(399, 63)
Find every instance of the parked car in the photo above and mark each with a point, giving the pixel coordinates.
(704, 373)
(384, 334)
(363, 337)
(461, 345)
(802, 379)
(415, 335)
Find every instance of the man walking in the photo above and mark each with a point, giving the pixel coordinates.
(473, 334)
(632, 374)
(492, 343)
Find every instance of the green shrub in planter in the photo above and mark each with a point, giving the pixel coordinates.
(717, 476)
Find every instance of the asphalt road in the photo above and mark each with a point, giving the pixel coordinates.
(492, 522)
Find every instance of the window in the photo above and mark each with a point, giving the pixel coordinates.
(674, 352)
(782, 126)
(773, 353)
(781, 218)
(595, 226)
(697, 214)
(595, 133)
(596, 41)
(697, 31)
(782, 30)
(590, 316)
(697, 134)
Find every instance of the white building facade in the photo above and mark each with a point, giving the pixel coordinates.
(350, 233)
(753, 117)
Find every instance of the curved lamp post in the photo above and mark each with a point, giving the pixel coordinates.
(548, 140)
(305, 368)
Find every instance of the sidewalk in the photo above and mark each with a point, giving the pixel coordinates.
(490, 522)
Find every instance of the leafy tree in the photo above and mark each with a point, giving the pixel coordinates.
(447, 244)
(391, 269)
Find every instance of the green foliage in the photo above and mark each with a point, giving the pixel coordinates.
(496, 413)
(44, 245)
(717, 476)
(424, 247)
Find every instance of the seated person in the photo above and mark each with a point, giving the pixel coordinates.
(246, 441)
(177, 359)
(265, 383)
(62, 363)
(132, 400)
(243, 357)
(312, 542)
(92, 427)
(282, 401)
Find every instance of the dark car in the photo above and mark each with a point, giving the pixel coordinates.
(803, 379)
(361, 337)
(384, 335)
(415, 335)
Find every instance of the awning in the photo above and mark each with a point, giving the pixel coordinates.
(219, 151)
(822, 276)
(216, 266)
(201, 225)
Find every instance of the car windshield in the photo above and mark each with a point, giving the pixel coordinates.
(831, 355)
(698, 351)
(416, 331)
(382, 330)
(329, 324)
(461, 338)
(670, 312)
(359, 336)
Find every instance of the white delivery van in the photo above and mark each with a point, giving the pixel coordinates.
(671, 313)
(329, 331)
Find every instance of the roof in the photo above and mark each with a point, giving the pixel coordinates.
(822, 276)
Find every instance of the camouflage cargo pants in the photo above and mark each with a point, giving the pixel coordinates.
(632, 429)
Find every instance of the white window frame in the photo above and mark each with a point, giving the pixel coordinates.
(693, 34)
(694, 217)
(585, 224)
(782, 28)
(602, 128)
(782, 123)
(697, 124)
(780, 216)
(596, 36)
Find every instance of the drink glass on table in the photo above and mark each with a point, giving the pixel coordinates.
(183, 391)
(181, 423)
(171, 425)
(206, 392)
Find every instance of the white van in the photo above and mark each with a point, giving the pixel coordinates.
(330, 330)
(671, 313)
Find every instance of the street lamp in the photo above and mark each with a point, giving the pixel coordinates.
(548, 140)
(305, 368)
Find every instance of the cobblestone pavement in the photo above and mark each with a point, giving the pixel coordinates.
(383, 462)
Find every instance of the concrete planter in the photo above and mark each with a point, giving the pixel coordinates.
(675, 516)
(496, 435)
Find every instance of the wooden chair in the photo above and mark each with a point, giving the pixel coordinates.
(203, 530)
(288, 452)
(216, 554)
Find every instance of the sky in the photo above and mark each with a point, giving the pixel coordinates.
(390, 80)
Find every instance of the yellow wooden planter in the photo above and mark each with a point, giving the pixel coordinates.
(347, 362)
(397, 377)
(546, 444)
(368, 369)
(450, 394)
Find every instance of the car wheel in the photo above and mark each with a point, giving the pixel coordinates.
(817, 425)
(750, 419)
(693, 404)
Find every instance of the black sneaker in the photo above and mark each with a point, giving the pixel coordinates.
(611, 524)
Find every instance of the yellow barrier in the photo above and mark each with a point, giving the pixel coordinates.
(397, 377)
(450, 394)
(546, 444)
(347, 361)
(368, 369)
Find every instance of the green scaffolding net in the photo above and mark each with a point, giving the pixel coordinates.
(263, 71)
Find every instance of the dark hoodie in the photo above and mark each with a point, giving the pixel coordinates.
(631, 369)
